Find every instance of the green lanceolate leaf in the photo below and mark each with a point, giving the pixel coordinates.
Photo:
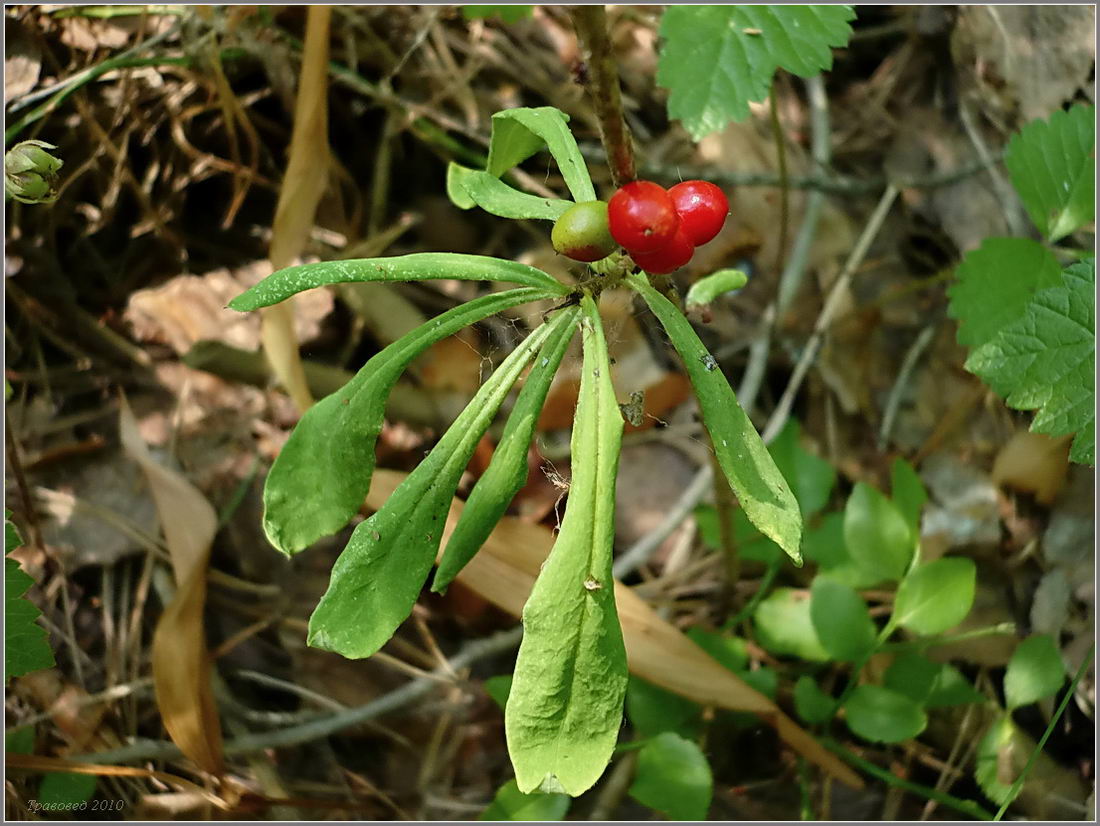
(380, 573)
(420, 266)
(472, 187)
(705, 290)
(1053, 167)
(507, 472)
(322, 475)
(760, 487)
(520, 133)
(566, 704)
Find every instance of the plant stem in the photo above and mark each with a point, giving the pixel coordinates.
(1015, 790)
(590, 23)
(724, 505)
(967, 807)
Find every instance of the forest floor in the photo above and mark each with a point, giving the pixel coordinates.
(174, 149)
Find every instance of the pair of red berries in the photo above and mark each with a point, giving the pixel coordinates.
(659, 228)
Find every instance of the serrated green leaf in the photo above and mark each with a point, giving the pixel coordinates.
(761, 489)
(880, 715)
(994, 283)
(419, 266)
(716, 59)
(472, 187)
(706, 289)
(1035, 671)
(566, 705)
(784, 626)
(908, 493)
(498, 688)
(322, 475)
(1053, 166)
(509, 14)
(1001, 755)
(1046, 360)
(507, 471)
(811, 478)
(936, 596)
(876, 534)
(512, 804)
(673, 776)
(520, 133)
(378, 576)
(912, 675)
(841, 620)
(26, 643)
(813, 705)
(12, 539)
(61, 791)
(652, 710)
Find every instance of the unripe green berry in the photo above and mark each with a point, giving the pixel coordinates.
(581, 233)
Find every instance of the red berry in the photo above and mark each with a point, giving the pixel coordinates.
(642, 217)
(671, 256)
(702, 208)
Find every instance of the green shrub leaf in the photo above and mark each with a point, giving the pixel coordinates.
(509, 14)
(841, 620)
(950, 688)
(61, 791)
(1034, 672)
(566, 705)
(420, 266)
(994, 283)
(824, 544)
(883, 716)
(473, 187)
(908, 493)
(1053, 167)
(512, 804)
(520, 133)
(783, 626)
(752, 473)
(876, 534)
(716, 59)
(936, 596)
(26, 644)
(813, 705)
(705, 290)
(810, 477)
(732, 652)
(912, 675)
(380, 572)
(322, 475)
(673, 777)
(652, 710)
(1046, 359)
(507, 471)
(498, 688)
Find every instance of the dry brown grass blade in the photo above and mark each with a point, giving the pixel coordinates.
(181, 663)
(301, 191)
(505, 570)
(35, 763)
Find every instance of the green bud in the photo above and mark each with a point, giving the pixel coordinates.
(30, 172)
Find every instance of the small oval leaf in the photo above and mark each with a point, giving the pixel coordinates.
(936, 596)
(841, 620)
(673, 776)
(1035, 671)
(883, 716)
(512, 804)
(876, 534)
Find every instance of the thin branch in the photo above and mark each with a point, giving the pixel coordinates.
(590, 23)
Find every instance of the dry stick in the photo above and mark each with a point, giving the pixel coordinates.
(784, 186)
(832, 303)
(590, 23)
(893, 401)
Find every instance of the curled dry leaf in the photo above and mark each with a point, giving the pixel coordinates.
(181, 663)
(505, 570)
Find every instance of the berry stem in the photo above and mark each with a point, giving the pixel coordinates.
(590, 23)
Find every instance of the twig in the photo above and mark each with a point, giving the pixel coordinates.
(832, 303)
(893, 401)
(590, 23)
(784, 179)
(614, 788)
